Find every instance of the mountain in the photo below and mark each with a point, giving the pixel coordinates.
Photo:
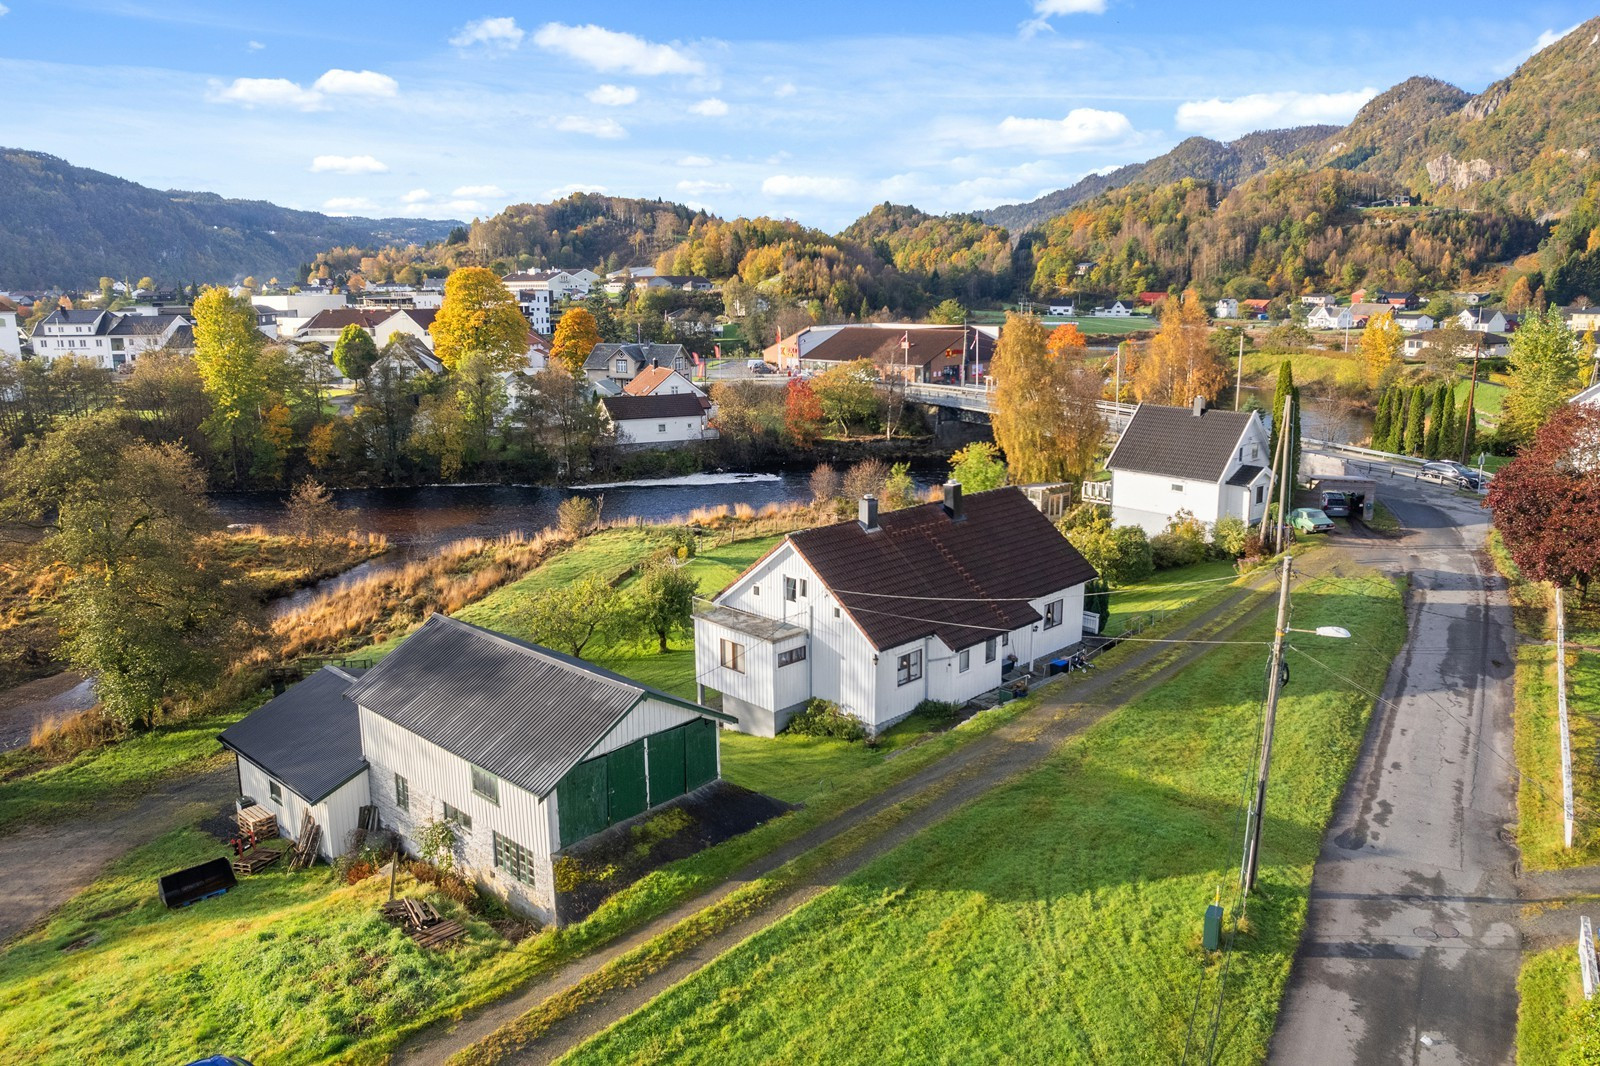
(67, 225)
(1200, 158)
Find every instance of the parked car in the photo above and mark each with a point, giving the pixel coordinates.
(1310, 520)
(1336, 504)
(1447, 472)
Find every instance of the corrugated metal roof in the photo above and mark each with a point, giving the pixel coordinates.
(923, 574)
(522, 712)
(1175, 442)
(309, 738)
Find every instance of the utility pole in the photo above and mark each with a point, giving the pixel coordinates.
(1258, 806)
(1286, 478)
(1116, 394)
(1238, 376)
(1472, 393)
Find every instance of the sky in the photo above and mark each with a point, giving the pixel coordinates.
(813, 112)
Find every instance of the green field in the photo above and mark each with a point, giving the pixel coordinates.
(1166, 591)
(1322, 370)
(1556, 1026)
(1058, 918)
(1089, 326)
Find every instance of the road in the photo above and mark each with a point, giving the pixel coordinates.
(1412, 943)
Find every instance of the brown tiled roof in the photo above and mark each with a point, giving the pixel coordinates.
(977, 574)
(1174, 442)
(667, 405)
(928, 347)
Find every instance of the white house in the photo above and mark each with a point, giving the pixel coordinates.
(381, 323)
(1330, 316)
(1484, 320)
(296, 308)
(1227, 307)
(523, 751)
(1168, 459)
(617, 280)
(662, 381)
(623, 362)
(659, 420)
(1062, 310)
(1116, 310)
(1414, 321)
(1416, 345)
(558, 285)
(881, 613)
(10, 335)
(112, 340)
(1318, 299)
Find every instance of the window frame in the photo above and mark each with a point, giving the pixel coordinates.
(402, 793)
(908, 668)
(790, 656)
(990, 649)
(1054, 613)
(275, 792)
(734, 661)
(963, 660)
(514, 859)
(456, 816)
(490, 794)
(791, 589)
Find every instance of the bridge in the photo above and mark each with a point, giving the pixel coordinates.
(976, 399)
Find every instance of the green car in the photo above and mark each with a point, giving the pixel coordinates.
(1310, 520)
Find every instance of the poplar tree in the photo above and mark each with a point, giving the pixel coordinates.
(1380, 421)
(1414, 438)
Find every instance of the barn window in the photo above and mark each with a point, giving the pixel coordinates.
(1052, 614)
(402, 793)
(275, 791)
(733, 656)
(792, 656)
(514, 859)
(457, 816)
(909, 668)
(486, 785)
(1177, 487)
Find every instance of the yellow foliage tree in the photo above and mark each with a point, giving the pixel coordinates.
(1381, 344)
(1179, 364)
(1045, 412)
(576, 335)
(1066, 339)
(479, 315)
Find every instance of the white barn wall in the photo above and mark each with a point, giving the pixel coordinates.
(337, 814)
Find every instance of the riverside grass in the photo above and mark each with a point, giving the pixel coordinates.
(1059, 916)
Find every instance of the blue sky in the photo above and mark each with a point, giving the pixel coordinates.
(812, 111)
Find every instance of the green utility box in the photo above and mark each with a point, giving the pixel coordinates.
(1213, 934)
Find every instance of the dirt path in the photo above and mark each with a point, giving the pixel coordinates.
(41, 868)
(928, 797)
(30, 703)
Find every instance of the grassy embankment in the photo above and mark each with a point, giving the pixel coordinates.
(1553, 1020)
(323, 975)
(1059, 916)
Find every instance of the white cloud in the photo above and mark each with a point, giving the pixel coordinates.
(710, 107)
(347, 164)
(356, 83)
(1051, 8)
(471, 192)
(1083, 127)
(348, 205)
(417, 196)
(607, 50)
(808, 187)
(495, 32)
(462, 206)
(786, 89)
(701, 188)
(1261, 111)
(4, 10)
(607, 129)
(1550, 37)
(266, 92)
(613, 95)
(254, 46)
(695, 161)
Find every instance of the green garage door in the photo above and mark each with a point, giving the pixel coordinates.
(625, 781)
(699, 752)
(666, 766)
(581, 801)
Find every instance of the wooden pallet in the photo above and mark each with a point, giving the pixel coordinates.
(438, 934)
(257, 860)
(258, 820)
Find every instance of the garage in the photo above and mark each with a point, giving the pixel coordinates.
(600, 792)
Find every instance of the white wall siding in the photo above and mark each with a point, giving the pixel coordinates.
(647, 432)
(340, 814)
(649, 717)
(337, 814)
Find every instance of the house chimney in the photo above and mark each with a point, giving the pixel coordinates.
(952, 500)
(868, 516)
(1199, 406)
(654, 363)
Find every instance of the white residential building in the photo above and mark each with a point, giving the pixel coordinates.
(1484, 320)
(1415, 321)
(10, 335)
(825, 613)
(661, 420)
(110, 339)
(1330, 316)
(1207, 462)
(381, 323)
(1227, 307)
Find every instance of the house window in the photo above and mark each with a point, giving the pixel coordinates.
(486, 785)
(989, 650)
(836, 612)
(1177, 487)
(1052, 614)
(621, 367)
(964, 660)
(792, 656)
(456, 816)
(733, 656)
(791, 588)
(909, 668)
(1261, 490)
(402, 793)
(514, 859)
(275, 791)
(1254, 451)
(661, 427)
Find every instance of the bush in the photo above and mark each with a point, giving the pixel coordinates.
(577, 514)
(1171, 550)
(1230, 535)
(1121, 556)
(823, 718)
(937, 710)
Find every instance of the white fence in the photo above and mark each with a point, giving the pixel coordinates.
(1561, 713)
(1586, 959)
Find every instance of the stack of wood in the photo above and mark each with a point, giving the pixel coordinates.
(259, 821)
(305, 845)
(255, 860)
(422, 922)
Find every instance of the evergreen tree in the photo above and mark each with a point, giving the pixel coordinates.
(1285, 388)
(1450, 427)
(1468, 431)
(1413, 442)
(1380, 421)
(1397, 421)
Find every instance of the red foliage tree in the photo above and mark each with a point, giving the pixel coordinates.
(1546, 502)
(802, 412)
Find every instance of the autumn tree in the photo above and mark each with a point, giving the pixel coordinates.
(576, 336)
(1066, 340)
(562, 417)
(479, 315)
(1179, 364)
(824, 484)
(354, 352)
(948, 313)
(899, 490)
(147, 283)
(1546, 368)
(802, 412)
(227, 352)
(663, 602)
(311, 512)
(848, 393)
(1520, 298)
(978, 467)
(569, 616)
(1381, 345)
(1046, 410)
(1546, 502)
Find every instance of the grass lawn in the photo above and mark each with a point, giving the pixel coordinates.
(1324, 370)
(1489, 399)
(1555, 1026)
(1166, 591)
(1058, 918)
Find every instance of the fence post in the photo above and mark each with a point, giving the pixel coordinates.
(1561, 713)
(1586, 959)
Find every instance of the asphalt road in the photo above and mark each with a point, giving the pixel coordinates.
(1412, 945)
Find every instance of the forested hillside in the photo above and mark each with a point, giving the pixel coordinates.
(67, 225)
